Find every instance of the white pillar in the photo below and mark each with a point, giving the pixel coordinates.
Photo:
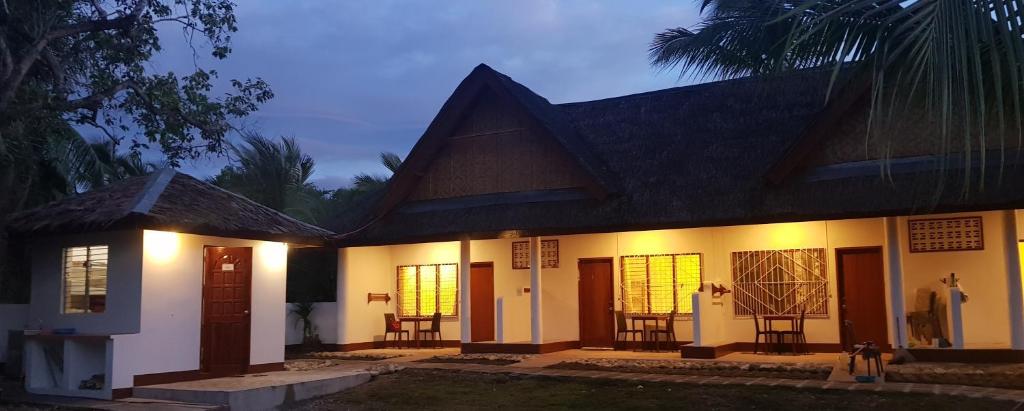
(695, 303)
(956, 318)
(536, 328)
(499, 311)
(895, 265)
(1013, 281)
(341, 297)
(465, 267)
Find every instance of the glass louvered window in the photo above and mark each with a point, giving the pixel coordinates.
(780, 282)
(426, 289)
(660, 284)
(85, 279)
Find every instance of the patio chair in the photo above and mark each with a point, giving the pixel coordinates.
(392, 325)
(797, 334)
(434, 330)
(758, 332)
(622, 329)
(868, 349)
(669, 332)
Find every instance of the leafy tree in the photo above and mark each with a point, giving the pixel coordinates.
(68, 64)
(84, 63)
(960, 61)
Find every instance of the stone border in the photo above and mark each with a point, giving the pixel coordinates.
(937, 389)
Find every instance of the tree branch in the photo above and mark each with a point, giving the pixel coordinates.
(99, 9)
(12, 81)
(95, 100)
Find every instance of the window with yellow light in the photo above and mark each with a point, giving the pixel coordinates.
(660, 283)
(428, 288)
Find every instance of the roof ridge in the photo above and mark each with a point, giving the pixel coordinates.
(151, 192)
(698, 86)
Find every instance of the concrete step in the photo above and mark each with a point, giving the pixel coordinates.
(256, 392)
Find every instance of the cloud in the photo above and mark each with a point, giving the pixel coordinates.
(355, 78)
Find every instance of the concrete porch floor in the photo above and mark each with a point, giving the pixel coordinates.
(257, 391)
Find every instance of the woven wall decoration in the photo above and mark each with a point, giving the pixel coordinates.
(520, 255)
(549, 253)
(946, 234)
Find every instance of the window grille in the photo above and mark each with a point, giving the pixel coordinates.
(780, 282)
(426, 289)
(85, 279)
(659, 284)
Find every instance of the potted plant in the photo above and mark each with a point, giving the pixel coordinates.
(310, 338)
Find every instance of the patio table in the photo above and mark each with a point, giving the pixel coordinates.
(769, 320)
(644, 318)
(416, 325)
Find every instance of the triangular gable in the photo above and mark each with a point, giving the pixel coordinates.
(555, 132)
(852, 94)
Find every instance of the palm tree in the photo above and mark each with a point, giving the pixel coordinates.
(960, 61)
(372, 182)
(273, 173)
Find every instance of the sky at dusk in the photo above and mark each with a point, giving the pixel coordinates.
(354, 78)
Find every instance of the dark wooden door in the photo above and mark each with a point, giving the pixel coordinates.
(862, 295)
(597, 318)
(481, 301)
(227, 294)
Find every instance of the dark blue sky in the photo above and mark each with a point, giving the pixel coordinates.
(354, 78)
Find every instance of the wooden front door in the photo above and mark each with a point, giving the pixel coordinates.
(481, 301)
(862, 295)
(227, 295)
(597, 316)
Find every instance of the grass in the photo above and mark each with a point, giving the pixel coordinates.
(440, 389)
(752, 371)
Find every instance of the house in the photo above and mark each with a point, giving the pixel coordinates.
(527, 223)
(154, 279)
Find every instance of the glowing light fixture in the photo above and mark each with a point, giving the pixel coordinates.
(161, 246)
(274, 255)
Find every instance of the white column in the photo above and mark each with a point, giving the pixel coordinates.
(695, 303)
(894, 260)
(1013, 281)
(465, 265)
(499, 311)
(536, 328)
(341, 297)
(956, 318)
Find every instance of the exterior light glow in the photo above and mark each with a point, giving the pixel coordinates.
(160, 246)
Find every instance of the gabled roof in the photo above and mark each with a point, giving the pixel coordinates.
(695, 156)
(169, 201)
(550, 119)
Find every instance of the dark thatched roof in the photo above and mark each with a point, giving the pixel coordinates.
(166, 200)
(690, 156)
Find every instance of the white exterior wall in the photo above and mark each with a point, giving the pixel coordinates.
(124, 260)
(171, 315)
(325, 320)
(982, 273)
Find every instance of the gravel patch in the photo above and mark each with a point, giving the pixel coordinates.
(984, 375)
(801, 371)
(354, 356)
(485, 359)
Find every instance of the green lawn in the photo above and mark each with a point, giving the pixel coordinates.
(436, 389)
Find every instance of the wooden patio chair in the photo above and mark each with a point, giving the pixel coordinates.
(392, 325)
(669, 332)
(434, 330)
(797, 333)
(622, 329)
(868, 349)
(758, 333)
